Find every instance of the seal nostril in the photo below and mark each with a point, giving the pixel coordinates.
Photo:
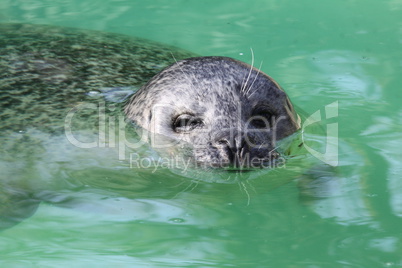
(225, 148)
(244, 150)
(236, 149)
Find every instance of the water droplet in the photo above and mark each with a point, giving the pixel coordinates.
(176, 220)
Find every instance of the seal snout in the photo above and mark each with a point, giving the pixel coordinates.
(232, 147)
(238, 149)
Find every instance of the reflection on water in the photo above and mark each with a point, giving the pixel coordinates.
(359, 93)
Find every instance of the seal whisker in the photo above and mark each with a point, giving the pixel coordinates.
(195, 185)
(255, 78)
(189, 188)
(273, 149)
(245, 81)
(251, 186)
(244, 188)
(263, 144)
(259, 147)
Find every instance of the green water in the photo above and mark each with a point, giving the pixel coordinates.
(320, 52)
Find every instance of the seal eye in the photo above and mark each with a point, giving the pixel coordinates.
(261, 118)
(185, 123)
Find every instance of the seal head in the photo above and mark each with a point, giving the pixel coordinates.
(217, 111)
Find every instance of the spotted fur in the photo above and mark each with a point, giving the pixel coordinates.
(224, 94)
(46, 70)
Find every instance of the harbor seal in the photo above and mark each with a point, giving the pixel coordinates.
(215, 111)
(219, 111)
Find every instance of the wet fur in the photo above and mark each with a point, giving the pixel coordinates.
(223, 92)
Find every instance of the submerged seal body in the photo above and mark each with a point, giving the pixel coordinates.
(221, 112)
(47, 70)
